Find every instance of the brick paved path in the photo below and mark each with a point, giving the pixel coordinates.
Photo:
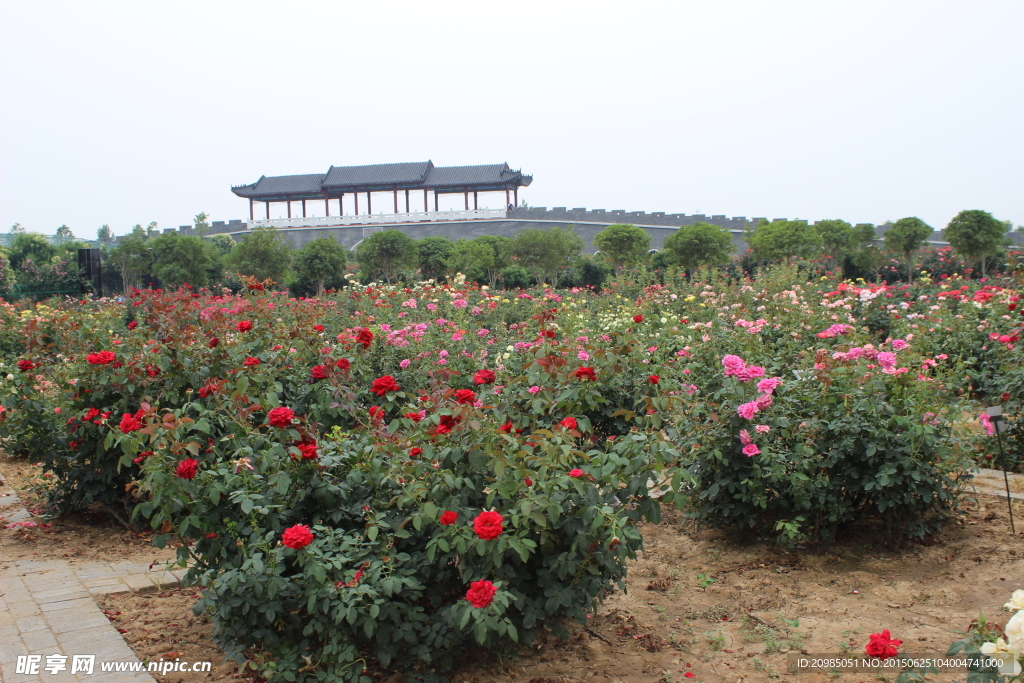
(47, 608)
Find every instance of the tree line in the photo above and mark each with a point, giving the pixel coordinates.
(554, 256)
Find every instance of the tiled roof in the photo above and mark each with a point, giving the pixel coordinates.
(375, 177)
(377, 174)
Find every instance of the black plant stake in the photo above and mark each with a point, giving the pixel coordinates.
(996, 415)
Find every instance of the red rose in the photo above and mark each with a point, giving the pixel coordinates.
(131, 423)
(569, 423)
(319, 372)
(638, 318)
(212, 534)
(142, 456)
(447, 424)
(585, 373)
(488, 525)
(376, 413)
(507, 427)
(653, 379)
(187, 468)
(550, 334)
(26, 365)
(101, 358)
(281, 417)
(383, 385)
(882, 645)
(414, 416)
(483, 377)
(364, 337)
(318, 328)
(343, 364)
(413, 452)
(465, 396)
(528, 481)
(251, 361)
(298, 536)
(244, 326)
(91, 415)
(307, 447)
(210, 387)
(576, 473)
(1005, 396)
(132, 325)
(449, 517)
(213, 343)
(481, 593)
(152, 371)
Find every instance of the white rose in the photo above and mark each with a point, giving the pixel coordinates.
(999, 650)
(1016, 601)
(1014, 631)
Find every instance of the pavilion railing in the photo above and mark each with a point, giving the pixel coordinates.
(378, 218)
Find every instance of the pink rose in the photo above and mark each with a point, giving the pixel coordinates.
(747, 411)
(751, 450)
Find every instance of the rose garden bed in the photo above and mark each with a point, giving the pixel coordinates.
(399, 477)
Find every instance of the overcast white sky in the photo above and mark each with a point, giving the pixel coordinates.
(130, 112)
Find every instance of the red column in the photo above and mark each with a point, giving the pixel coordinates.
(250, 209)
(268, 210)
(303, 208)
(425, 207)
(341, 206)
(396, 200)
(435, 201)
(289, 208)
(327, 206)
(517, 196)
(476, 203)
(356, 196)
(407, 201)
(506, 197)
(369, 203)
(467, 199)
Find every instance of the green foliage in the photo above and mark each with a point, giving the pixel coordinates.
(838, 238)
(6, 274)
(472, 258)
(132, 258)
(104, 234)
(700, 244)
(783, 240)
(30, 246)
(385, 254)
(64, 233)
(320, 261)
(501, 249)
(222, 244)
(623, 244)
(263, 253)
(182, 259)
(201, 224)
(433, 253)
(976, 235)
(906, 236)
(546, 253)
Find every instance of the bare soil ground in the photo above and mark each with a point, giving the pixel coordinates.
(698, 606)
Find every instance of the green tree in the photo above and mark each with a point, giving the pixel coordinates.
(152, 230)
(700, 244)
(31, 246)
(179, 259)
(386, 253)
(263, 253)
(320, 261)
(906, 236)
(976, 234)
(501, 249)
(623, 244)
(433, 253)
(104, 234)
(201, 224)
(6, 273)
(221, 243)
(785, 240)
(545, 252)
(17, 229)
(64, 233)
(472, 258)
(837, 239)
(132, 258)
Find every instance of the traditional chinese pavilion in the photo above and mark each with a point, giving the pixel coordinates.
(403, 181)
